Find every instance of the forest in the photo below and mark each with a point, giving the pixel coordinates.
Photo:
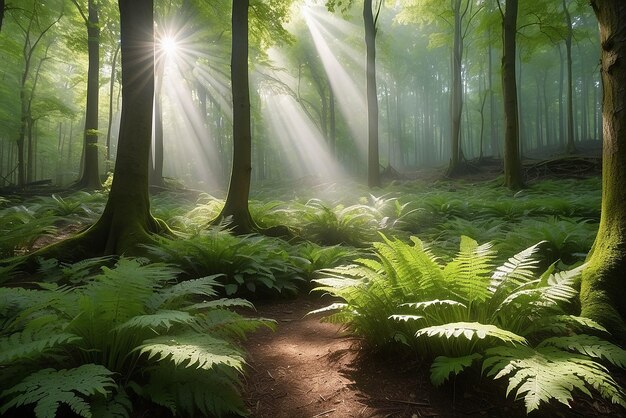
(322, 208)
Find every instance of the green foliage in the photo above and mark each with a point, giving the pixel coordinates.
(134, 331)
(48, 388)
(469, 309)
(247, 263)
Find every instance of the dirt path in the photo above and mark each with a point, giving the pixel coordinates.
(310, 369)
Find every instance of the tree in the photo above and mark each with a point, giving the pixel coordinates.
(126, 221)
(236, 205)
(512, 164)
(90, 177)
(603, 293)
(2, 8)
(369, 21)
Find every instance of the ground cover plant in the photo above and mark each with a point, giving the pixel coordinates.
(515, 322)
(100, 343)
(346, 223)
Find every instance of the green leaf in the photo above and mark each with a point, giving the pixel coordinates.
(161, 319)
(193, 350)
(469, 330)
(443, 366)
(27, 345)
(48, 388)
(591, 346)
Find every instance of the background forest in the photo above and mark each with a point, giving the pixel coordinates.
(428, 170)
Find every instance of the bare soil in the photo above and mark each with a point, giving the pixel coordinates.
(311, 369)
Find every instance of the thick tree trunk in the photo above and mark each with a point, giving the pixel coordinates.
(90, 178)
(603, 290)
(570, 148)
(126, 221)
(156, 170)
(236, 205)
(512, 164)
(373, 170)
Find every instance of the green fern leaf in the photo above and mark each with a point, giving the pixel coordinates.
(26, 344)
(436, 302)
(591, 346)
(220, 303)
(161, 319)
(546, 373)
(193, 350)
(443, 367)
(469, 330)
(516, 271)
(469, 273)
(406, 318)
(331, 307)
(204, 286)
(48, 388)
(227, 324)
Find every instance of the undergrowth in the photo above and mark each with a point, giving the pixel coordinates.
(128, 332)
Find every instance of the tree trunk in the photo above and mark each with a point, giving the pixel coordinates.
(126, 221)
(456, 92)
(570, 147)
(603, 293)
(236, 205)
(373, 171)
(90, 178)
(332, 125)
(156, 170)
(512, 164)
(110, 122)
(1, 13)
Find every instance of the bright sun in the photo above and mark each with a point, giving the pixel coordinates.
(169, 45)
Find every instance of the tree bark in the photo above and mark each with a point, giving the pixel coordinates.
(110, 122)
(126, 221)
(373, 171)
(456, 92)
(512, 163)
(603, 290)
(570, 148)
(236, 205)
(90, 177)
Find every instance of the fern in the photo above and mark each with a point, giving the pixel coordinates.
(443, 367)
(193, 350)
(48, 388)
(545, 373)
(28, 344)
(471, 330)
(591, 346)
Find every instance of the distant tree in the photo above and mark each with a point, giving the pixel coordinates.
(236, 205)
(90, 177)
(603, 289)
(512, 164)
(369, 22)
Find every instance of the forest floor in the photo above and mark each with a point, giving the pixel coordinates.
(307, 368)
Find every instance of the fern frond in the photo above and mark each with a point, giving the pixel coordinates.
(220, 303)
(469, 330)
(437, 302)
(468, 273)
(331, 307)
(27, 344)
(406, 318)
(516, 271)
(560, 324)
(546, 373)
(193, 350)
(227, 324)
(443, 367)
(48, 388)
(591, 346)
(204, 286)
(162, 319)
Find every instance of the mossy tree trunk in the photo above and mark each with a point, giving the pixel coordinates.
(603, 288)
(126, 221)
(512, 164)
(236, 205)
(373, 171)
